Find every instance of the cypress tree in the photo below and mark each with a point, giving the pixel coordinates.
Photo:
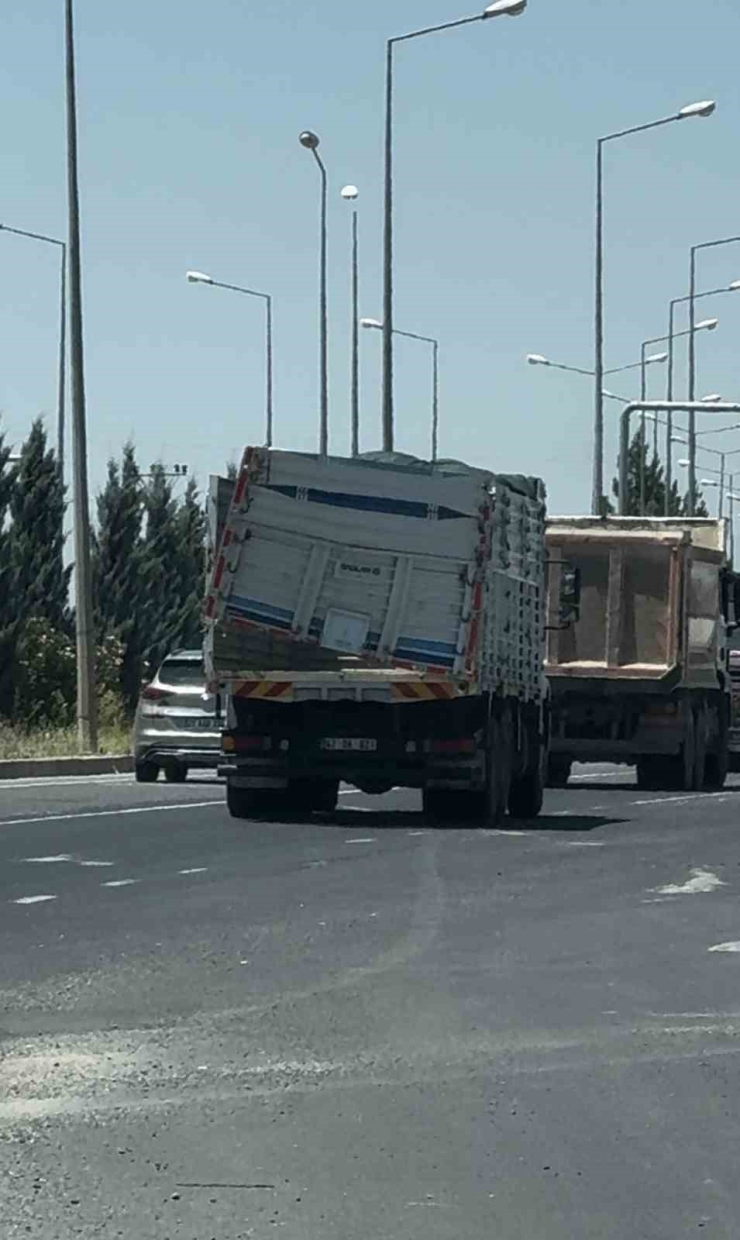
(118, 567)
(8, 605)
(654, 486)
(38, 579)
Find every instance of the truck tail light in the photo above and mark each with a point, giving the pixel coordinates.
(458, 745)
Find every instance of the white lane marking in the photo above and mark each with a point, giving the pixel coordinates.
(725, 947)
(45, 860)
(199, 869)
(361, 809)
(418, 833)
(109, 813)
(583, 843)
(32, 899)
(701, 883)
(121, 882)
(691, 796)
(370, 840)
(96, 864)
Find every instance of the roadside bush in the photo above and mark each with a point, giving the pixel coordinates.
(45, 689)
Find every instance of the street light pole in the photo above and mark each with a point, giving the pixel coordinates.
(87, 715)
(704, 108)
(350, 194)
(373, 323)
(62, 356)
(704, 245)
(501, 8)
(311, 142)
(199, 277)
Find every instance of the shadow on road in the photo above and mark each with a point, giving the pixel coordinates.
(388, 820)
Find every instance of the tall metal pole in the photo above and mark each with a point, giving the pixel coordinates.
(324, 371)
(87, 722)
(598, 463)
(669, 417)
(62, 382)
(387, 411)
(720, 498)
(692, 381)
(268, 303)
(731, 499)
(435, 399)
(643, 397)
(355, 393)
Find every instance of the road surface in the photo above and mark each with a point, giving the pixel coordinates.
(357, 1027)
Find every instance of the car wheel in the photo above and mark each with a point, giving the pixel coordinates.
(175, 773)
(146, 772)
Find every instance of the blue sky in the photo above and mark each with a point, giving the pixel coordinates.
(189, 117)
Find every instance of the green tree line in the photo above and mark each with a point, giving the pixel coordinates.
(148, 557)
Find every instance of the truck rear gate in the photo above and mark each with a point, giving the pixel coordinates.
(383, 600)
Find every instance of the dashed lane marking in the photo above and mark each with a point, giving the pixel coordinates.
(725, 947)
(32, 899)
(121, 882)
(199, 869)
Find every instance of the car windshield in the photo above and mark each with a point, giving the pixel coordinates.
(182, 673)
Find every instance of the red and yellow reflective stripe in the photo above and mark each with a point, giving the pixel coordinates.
(424, 690)
(263, 689)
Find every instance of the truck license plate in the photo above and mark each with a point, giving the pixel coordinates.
(341, 744)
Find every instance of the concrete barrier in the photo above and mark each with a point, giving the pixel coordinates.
(99, 764)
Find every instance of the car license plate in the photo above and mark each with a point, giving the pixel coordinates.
(356, 744)
(200, 723)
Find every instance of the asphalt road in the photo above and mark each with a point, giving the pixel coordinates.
(359, 1028)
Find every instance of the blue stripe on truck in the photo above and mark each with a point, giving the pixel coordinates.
(369, 503)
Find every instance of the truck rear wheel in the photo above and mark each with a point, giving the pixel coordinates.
(498, 776)
(527, 793)
(717, 765)
(558, 770)
(254, 802)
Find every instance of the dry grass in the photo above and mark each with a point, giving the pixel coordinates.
(60, 742)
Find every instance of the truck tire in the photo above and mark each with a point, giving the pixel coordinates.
(324, 795)
(254, 802)
(681, 768)
(175, 773)
(526, 793)
(239, 801)
(652, 773)
(700, 749)
(558, 770)
(499, 764)
(717, 764)
(146, 772)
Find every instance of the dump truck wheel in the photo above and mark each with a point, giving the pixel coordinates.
(527, 793)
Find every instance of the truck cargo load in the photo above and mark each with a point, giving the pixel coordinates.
(378, 620)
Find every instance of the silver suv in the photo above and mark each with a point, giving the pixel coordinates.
(177, 725)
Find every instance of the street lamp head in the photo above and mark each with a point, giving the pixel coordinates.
(733, 288)
(536, 359)
(350, 192)
(704, 108)
(706, 325)
(371, 323)
(505, 8)
(656, 358)
(199, 277)
(712, 399)
(708, 482)
(309, 140)
(684, 463)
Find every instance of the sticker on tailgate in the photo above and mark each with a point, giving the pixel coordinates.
(352, 568)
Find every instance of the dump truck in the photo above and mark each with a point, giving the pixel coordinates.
(734, 738)
(378, 620)
(642, 676)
